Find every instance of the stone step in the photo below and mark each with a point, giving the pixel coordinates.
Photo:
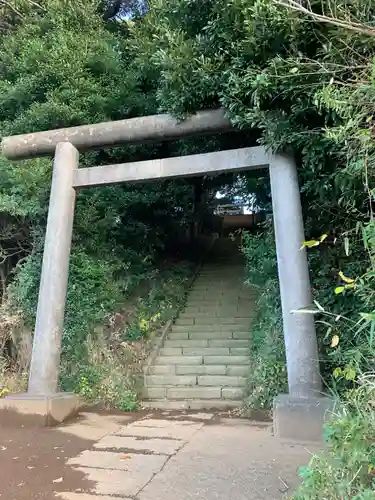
(206, 343)
(218, 295)
(201, 319)
(221, 316)
(200, 393)
(231, 370)
(220, 311)
(193, 380)
(237, 343)
(195, 404)
(219, 289)
(172, 380)
(193, 393)
(210, 327)
(179, 360)
(222, 381)
(231, 359)
(201, 335)
(224, 301)
(209, 335)
(189, 343)
(226, 360)
(195, 351)
(233, 282)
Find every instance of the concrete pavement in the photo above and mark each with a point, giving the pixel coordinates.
(184, 456)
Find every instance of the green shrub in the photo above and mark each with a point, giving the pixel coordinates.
(345, 471)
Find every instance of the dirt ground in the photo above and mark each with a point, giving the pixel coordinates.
(32, 463)
(33, 460)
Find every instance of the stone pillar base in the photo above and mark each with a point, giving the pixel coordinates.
(38, 409)
(300, 418)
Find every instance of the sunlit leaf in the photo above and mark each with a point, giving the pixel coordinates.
(345, 278)
(335, 341)
(339, 289)
(314, 243)
(350, 373)
(310, 244)
(337, 372)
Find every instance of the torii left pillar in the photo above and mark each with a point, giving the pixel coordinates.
(43, 403)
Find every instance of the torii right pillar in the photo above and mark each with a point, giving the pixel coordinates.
(301, 413)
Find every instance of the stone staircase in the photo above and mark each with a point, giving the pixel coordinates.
(204, 362)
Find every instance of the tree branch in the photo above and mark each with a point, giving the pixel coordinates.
(12, 8)
(363, 29)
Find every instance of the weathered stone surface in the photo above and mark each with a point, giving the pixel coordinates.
(206, 351)
(85, 496)
(236, 462)
(181, 432)
(241, 335)
(232, 393)
(193, 404)
(38, 410)
(187, 343)
(171, 351)
(222, 381)
(238, 371)
(301, 418)
(165, 380)
(179, 360)
(194, 393)
(240, 351)
(301, 347)
(210, 334)
(162, 423)
(157, 446)
(45, 359)
(154, 392)
(93, 426)
(162, 370)
(226, 360)
(178, 335)
(232, 343)
(201, 370)
(109, 134)
(122, 483)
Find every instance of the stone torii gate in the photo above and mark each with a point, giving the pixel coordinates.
(298, 414)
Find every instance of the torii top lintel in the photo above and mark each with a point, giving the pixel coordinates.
(108, 134)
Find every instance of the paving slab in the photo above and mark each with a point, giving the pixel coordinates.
(196, 416)
(183, 432)
(86, 496)
(156, 446)
(161, 423)
(115, 482)
(93, 426)
(230, 462)
(116, 475)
